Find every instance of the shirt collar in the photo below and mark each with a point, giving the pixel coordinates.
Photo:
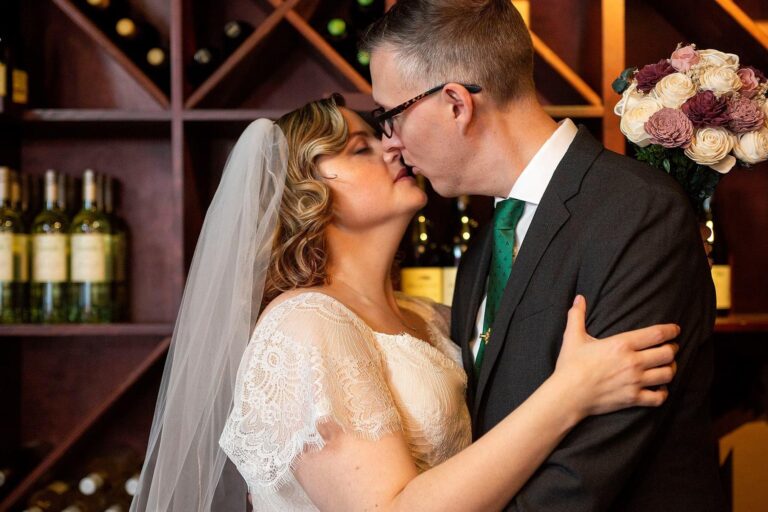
(533, 181)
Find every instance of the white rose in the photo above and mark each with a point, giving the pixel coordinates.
(629, 99)
(714, 58)
(633, 121)
(765, 111)
(720, 80)
(752, 147)
(673, 90)
(710, 146)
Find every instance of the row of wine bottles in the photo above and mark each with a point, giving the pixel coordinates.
(344, 32)
(208, 58)
(429, 266)
(14, 78)
(134, 35)
(60, 267)
(107, 483)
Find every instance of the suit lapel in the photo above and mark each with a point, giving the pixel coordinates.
(550, 216)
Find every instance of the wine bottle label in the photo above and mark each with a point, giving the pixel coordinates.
(721, 276)
(20, 86)
(3, 81)
(21, 257)
(6, 257)
(120, 259)
(449, 283)
(423, 282)
(49, 261)
(89, 258)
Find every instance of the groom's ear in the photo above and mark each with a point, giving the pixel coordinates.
(461, 103)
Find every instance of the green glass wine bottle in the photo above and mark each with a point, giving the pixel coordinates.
(119, 251)
(50, 255)
(90, 290)
(11, 287)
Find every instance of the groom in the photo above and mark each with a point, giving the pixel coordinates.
(454, 79)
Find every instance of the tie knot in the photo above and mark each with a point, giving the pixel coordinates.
(507, 213)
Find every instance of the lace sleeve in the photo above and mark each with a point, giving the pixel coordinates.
(307, 363)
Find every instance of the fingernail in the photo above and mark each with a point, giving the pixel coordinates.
(577, 300)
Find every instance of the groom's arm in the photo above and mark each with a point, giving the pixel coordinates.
(656, 273)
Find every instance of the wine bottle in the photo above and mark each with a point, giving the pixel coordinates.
(5, 56)
(90, 292)
(79, 502)
(721, 268)
(119, 251)
(107, 472)
(19, 75)
(51, 498)
(204, 63)
(338, 34)
(22, 245)
(463, 229)
(157, 67)
(11, 255)
(235, 32)
(50, 252)
(422, 273)
(135, 37)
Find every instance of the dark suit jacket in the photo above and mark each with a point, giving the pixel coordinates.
(624, 236)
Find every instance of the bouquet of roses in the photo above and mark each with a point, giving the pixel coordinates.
(695, 115)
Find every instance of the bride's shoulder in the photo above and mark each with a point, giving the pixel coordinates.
(307, 309)
(439, 315)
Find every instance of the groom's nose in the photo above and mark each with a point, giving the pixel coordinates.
(392, 143)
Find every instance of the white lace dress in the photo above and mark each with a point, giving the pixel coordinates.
(310, 360)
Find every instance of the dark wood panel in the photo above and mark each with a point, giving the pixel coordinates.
(146, 202)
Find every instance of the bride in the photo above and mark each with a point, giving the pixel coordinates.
(294, 358)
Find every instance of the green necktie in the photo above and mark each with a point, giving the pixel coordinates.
(505, 218)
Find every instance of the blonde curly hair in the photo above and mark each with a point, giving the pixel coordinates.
(299, 254)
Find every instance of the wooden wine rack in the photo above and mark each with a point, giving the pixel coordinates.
(93, 106)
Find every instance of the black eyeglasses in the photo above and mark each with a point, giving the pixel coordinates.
(385, 118)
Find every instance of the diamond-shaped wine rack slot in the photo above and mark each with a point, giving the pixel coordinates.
(95, 33)
(245, 50)
(316, 40)
(77, 433)
(595, 103)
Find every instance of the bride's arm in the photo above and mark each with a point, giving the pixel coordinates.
(350, 473)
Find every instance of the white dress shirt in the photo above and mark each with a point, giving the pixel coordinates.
(530, 187)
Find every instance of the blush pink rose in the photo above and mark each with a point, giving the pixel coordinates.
(749, 82)
(684, 57)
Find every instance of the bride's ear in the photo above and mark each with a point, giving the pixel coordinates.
(461, 103)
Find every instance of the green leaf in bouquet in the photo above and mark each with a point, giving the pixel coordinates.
(667, 166)
(622, 82)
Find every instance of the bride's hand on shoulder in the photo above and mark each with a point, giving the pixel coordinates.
(626, 370)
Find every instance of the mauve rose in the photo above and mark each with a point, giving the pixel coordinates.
(649, 75)
(706, 109)
(749, 82)
(670, 128)
(744, 115)
(684, 57)
(759, 74)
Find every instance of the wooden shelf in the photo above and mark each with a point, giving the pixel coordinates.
(95, 330)
(227, 115)
(752, 323)
(59, 115)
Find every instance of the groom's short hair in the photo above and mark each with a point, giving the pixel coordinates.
(483, 42)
